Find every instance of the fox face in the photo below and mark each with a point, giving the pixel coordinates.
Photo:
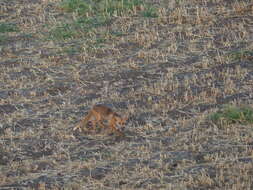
(121, 121)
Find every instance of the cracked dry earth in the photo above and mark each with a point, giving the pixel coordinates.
(167, 73)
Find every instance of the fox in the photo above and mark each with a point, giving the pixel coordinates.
(100, 113)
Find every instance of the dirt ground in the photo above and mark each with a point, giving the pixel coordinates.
(167, 72)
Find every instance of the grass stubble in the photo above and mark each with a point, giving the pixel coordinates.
(182, 70)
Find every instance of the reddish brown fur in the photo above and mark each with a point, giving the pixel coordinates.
(100, 113)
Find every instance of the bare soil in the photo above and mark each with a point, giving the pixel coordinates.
(167, 73)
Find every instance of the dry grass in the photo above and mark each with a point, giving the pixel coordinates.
(169, 65)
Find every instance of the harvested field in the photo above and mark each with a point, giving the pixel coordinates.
(182, 70)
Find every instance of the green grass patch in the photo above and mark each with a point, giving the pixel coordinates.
(107, 8)
(233, 114)
(117, 33)
(8, 27)
(99, 42)
(91, 22)
(95, 13)
(3, 39)
(77, 28)
(72, 50)
(150, 12)
(117, 7)
(78, 6)
(99, 7)
(5, 28)
(62, 32)
(241, 55)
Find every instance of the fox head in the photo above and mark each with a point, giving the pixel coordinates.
(121, 120)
